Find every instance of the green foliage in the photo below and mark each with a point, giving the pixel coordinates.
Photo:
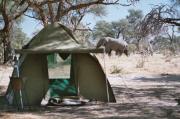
(18, 38)
(120, 26)
(103, 29)
(98, 10)
(82, 36)
(125, 27)
(134, 16)
(163, 44)
(132, 48)
(11, 34)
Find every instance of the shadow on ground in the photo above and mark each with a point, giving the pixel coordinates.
(153, 99)
(162, 78)
(104, 111)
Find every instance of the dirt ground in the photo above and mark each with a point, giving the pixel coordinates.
(143, 90)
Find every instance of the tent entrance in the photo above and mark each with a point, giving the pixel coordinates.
(57, 67)
(60, 82)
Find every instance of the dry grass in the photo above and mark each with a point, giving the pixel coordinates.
(115, 70)
(152, 64)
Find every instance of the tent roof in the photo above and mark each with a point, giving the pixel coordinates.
(56, 38)
(71, 50)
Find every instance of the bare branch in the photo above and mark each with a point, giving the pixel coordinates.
(81, 14)
(69, 3)
(48, 1)
(171, 21)
(157, 18)
(22, 2)
(60, 5)
(84, 5)
(18, 14)
(40, 11)
(4, 15)
(51, 14)
(31, 16)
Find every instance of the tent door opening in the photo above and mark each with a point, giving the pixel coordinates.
(59, 71)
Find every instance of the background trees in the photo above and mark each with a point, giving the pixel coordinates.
(163, 18)
(71, 14)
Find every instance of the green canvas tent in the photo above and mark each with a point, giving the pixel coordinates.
(87, 77)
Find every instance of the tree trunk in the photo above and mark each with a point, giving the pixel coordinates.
(7, 50)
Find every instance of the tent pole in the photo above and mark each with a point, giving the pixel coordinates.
(107, 90)
(16, 65)
(76, 78)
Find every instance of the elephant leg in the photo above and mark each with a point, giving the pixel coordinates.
(126, 52)
(109, 53)
(118, 52)
(108, 50)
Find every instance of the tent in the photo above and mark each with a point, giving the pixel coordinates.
(87, 77)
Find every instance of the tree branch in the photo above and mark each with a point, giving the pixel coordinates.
(83, 5)
(18, 14)
(4, 15)
(31, 16)
(40, 11)
(171, 21)
(58, 15)
(51, 14)
(49, 1)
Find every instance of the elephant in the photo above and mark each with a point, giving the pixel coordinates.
(118, 45)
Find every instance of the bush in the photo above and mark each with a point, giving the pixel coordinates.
(116, 70)
(132, 48)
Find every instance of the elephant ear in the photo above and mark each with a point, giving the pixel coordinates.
(101, 42)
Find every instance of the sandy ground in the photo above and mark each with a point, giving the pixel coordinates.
(142, 92)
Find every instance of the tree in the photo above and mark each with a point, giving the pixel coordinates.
(103, 29)
(68, 12)
(9, 12)
(159, 17)
(120, 27)
(18, 38)
(134, 16)
(163, 44)
(173, 44)
(48, 11)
